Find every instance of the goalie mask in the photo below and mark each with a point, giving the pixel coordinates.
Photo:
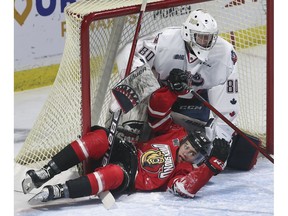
(200, 32)
(200, 143)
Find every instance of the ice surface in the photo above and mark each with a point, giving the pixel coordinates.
(229, 193)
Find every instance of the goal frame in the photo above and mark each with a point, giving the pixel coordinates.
(270, 78)
(85, 56)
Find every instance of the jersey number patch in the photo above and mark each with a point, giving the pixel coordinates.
(148, 54)
(232, 86)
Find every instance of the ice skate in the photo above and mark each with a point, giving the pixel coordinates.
(49, 192)
(34, 179)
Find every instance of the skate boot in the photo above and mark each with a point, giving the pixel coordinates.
(36, 178)
(50, 192)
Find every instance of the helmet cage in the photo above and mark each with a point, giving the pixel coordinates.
(200, 143)
(203, 40)
(200, 32)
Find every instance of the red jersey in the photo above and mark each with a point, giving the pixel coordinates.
(158, 168)
(157, 159)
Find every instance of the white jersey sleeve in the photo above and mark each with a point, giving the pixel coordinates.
(224, 98)
(144, 54)
(162, 51)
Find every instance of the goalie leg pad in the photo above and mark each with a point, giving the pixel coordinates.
(243, 155)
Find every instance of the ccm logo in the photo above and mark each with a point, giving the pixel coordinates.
(192, 107)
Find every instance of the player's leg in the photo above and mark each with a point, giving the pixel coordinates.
(102, 179)
(92, 145)
(116, 177)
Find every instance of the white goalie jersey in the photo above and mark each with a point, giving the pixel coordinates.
(165, 50)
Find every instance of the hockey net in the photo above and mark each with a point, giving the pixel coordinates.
(96, 30)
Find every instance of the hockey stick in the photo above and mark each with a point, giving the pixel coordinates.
(214, 110)
(135, 39)
(129, 92)
(117, 114)
(105, 196)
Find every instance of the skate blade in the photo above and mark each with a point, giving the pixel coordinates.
(38, 198)
(27, 185)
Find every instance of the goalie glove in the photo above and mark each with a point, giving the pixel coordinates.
(177, 81)
(218, 156)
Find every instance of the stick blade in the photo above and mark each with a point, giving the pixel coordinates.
(107, 199)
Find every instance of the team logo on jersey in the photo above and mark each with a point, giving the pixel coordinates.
(196, 79)
(205, 63)
(158, 160)
(176, 142)
(233, 57)
(191, 57)
(178, 56)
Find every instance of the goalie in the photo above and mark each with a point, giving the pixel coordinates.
(176, 160)
(196, 52)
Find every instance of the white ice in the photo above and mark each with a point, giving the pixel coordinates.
(229, 193)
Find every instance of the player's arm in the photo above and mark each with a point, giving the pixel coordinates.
(145, 54)
(161, 101)
(159, 109)
(224, 98)
(188, 180)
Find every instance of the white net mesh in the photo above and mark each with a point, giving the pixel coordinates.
(60, 120)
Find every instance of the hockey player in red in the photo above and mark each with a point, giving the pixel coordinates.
(168, 161)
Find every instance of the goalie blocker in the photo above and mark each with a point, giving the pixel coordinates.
(130, 91)
(243, 156)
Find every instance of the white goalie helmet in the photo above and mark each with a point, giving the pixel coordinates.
(200, 31)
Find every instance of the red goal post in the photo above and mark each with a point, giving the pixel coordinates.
(96, 30)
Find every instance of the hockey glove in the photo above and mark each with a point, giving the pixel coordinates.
(218, 156)
(177, 81)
